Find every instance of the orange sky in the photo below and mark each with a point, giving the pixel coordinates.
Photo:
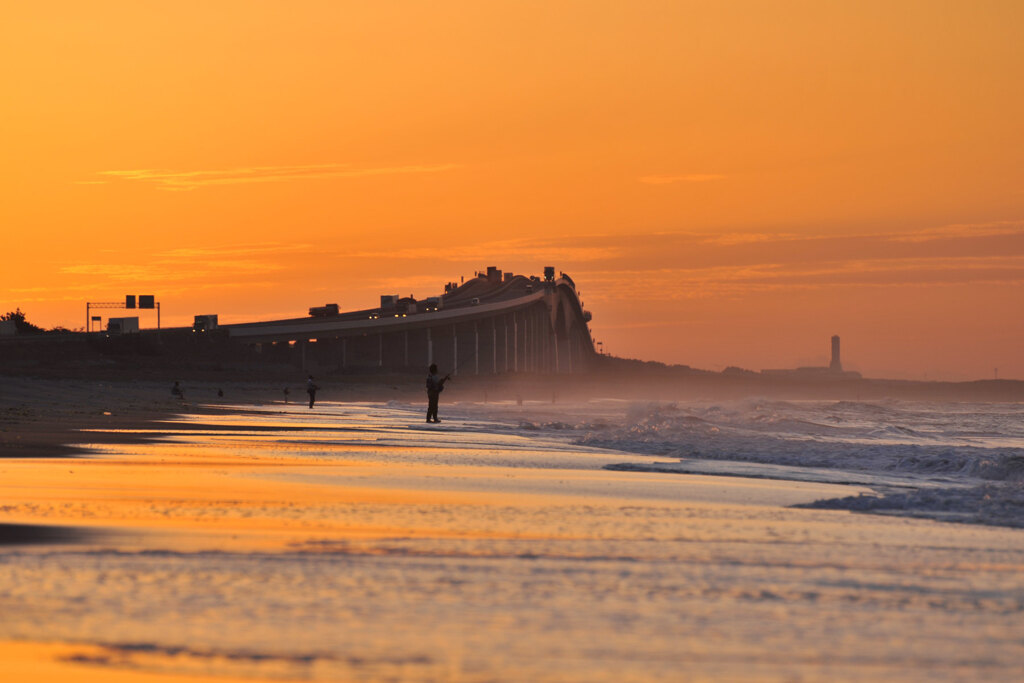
(728, 183)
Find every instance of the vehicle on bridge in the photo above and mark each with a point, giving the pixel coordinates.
(324, 311)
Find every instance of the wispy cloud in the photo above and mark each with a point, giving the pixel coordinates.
(740, 280)
(961, 230)
(225, 252)
(685, 178)
(681, 265)
(190, 180)
(731, 238)
(211, 266)
(739, 260)
(487, 252)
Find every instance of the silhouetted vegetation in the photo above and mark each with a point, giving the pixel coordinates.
(23, 326)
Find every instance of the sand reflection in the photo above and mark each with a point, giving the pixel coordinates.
(352, 544)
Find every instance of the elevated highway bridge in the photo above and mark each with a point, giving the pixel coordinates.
(489, 324)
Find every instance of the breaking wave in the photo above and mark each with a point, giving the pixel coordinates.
(946, 440)
(968, 457)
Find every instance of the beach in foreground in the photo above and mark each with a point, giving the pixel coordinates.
(263, 541)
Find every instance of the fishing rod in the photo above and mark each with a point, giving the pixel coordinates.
(459, 365)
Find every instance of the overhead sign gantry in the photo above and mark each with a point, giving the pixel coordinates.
(143, 301)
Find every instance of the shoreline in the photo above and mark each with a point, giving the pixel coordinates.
(355, 543)
(44, 417)
(163, 476)
(52, 419)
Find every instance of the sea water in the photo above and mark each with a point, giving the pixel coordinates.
(953, 461)
(555, 543)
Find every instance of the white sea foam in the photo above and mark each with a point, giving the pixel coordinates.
(966, 459)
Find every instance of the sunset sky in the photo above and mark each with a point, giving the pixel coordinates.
(728, 183)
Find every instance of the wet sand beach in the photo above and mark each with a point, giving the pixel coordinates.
(252, 540)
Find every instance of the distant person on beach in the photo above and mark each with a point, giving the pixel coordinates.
(176, 391)
(311, 390)
(435, 385)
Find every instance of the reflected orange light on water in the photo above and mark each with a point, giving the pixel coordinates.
(303, 554)
(62, 662)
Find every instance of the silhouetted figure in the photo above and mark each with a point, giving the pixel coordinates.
(176, 391)
(311, 390)
(286, 392)
(220, 393)
(435, 386)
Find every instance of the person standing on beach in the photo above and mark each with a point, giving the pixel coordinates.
(177, 391)
(435, 386)
(311, 390)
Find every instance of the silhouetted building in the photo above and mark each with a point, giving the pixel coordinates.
(833, 371)
(835, 365)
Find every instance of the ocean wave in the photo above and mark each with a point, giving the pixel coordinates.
(798, 434)
(992, 504)
(965, 460)
(897, 430)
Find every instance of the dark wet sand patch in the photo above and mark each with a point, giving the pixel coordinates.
(55, 439)
(36, 534)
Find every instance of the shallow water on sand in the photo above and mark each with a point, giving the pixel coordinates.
(353, 542)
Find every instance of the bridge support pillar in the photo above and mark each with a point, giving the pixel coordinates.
(526, 341)
(530, 341)
(542, 341)
(515, 342)
(545, 344)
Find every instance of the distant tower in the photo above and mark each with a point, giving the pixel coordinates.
(835, 365)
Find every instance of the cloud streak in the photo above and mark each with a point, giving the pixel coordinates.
(963, 230)
(679, 266)
(179, 181)
(487, 252)
(741, 280)
(227, 266)
(703, 264)
(685, 178)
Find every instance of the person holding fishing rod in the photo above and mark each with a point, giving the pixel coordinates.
(435, 386)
